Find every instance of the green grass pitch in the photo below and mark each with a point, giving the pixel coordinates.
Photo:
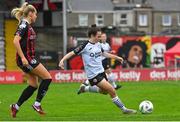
(63, 104)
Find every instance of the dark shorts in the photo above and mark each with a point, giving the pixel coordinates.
(106, 63)
(97, 79)
(32, 64)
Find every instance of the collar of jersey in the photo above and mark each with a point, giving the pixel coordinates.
(91, 42)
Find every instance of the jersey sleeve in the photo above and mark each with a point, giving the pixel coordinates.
(22, 28)
(80, 48)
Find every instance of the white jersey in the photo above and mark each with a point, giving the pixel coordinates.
(91, 55)
(106, 48)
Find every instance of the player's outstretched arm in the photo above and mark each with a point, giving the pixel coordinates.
(67, 56)
(109, 55)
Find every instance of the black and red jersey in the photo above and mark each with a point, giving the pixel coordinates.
(27, 42)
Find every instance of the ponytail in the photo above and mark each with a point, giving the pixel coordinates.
(23, 11)
(18, 12)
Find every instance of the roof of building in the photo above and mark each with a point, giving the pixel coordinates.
(165, 5)
(91, 5)
(107, 5)
(157, 5)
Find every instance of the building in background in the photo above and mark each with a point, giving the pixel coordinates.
(150, 16)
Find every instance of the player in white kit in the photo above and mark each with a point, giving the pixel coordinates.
(91, 52)
(85, 86)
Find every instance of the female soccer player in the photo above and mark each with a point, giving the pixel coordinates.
(24, 42)
(91, 52)
(85, 86)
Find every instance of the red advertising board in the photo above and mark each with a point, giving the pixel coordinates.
(11, 77)
(68, 75)
(120, 75)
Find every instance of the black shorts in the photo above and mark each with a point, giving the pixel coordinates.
(32, 64)
(97, 79)
(106, 63)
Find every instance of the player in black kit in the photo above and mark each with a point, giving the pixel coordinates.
(24, 41)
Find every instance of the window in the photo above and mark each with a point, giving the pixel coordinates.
(166, 20)
(83, 20)
(178, 19)
(99, 19)
(143, 20)
(123, 19)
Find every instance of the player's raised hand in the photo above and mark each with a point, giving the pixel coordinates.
(120, 59)
(61, 64)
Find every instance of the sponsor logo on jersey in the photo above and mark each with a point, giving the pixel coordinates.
(92, 54)
(98, 54)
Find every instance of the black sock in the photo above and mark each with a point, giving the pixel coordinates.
(26, 94)
(43, 89)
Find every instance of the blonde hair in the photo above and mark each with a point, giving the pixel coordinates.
(23, 11)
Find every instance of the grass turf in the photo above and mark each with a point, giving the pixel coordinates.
(63, 104)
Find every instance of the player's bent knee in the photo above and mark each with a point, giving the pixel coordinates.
(33, 84)
(48, 76)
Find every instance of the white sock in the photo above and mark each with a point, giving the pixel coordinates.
(111, 80)
(93, 89)
(86, 88)
(16, 106)
(37, 103)
(118, 103)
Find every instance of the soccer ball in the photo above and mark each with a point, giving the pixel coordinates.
(146, 107)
